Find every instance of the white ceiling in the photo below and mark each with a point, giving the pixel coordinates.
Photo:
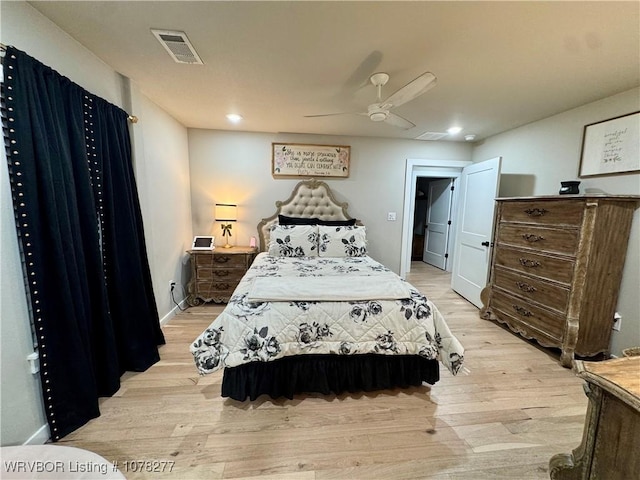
(499, 64)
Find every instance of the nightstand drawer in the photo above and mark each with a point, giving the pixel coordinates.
(564, 241)
(548, 294)
(221, 260)
(553, 268)
(210, 289)
(544, 213)
(219, 274)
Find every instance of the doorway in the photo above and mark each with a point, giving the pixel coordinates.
(473, 220)
(416, 168)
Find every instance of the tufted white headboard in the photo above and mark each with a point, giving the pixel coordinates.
(309, 199)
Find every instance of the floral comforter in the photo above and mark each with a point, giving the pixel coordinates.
(264, 331)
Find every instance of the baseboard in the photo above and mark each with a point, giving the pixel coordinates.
(40, 437)
(172, 313)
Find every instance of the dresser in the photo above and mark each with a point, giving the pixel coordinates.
(556, 269)
(216, 273)
(611, 439)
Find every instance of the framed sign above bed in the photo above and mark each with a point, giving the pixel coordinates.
(299, 160)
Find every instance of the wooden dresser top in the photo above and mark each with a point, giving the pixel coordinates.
(620, 376)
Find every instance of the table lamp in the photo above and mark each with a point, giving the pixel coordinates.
(226, 213)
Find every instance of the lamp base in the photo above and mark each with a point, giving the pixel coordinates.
(228, 245)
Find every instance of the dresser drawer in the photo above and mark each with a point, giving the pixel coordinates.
(553, 268)
(531, 288)
(568, 212)
(564, 241)
(537, 322)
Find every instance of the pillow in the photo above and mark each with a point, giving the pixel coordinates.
(293, 241)
(338, 223)
(342, 241)
(285, 220)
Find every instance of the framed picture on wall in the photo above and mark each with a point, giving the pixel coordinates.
(611, 146)
(301, 160)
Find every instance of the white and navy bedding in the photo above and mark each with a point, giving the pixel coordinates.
(268, 324)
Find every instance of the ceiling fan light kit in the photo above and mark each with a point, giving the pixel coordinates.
(377, 113)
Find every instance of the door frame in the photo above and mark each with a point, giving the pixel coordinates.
(414, 168)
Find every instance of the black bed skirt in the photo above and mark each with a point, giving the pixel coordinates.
(327, 374)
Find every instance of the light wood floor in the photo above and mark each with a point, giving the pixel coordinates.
(504, 419)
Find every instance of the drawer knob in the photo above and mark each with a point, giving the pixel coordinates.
(525, 287)
(222, 286)
(522, 311)
(221, 273)
(530, 237)
(221, 258)
(535, 212)
(525, 262)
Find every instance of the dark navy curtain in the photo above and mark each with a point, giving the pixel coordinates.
(81, 236)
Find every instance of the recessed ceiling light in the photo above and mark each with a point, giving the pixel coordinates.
(470, 137)
(454, 130)
(234, 117)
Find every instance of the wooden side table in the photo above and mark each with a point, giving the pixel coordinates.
(611, 440)
(216, 273)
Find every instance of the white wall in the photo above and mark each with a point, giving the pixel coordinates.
(235, 167)
(161, 161)
(536, 157)
(162, 169)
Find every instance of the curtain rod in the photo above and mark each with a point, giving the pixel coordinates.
(132, 118)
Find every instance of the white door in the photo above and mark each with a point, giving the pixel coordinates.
(438, 222)
(472, 253)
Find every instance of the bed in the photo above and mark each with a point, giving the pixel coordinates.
(316, 314)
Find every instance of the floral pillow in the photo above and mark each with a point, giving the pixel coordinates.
(342, 241)
(293, 241)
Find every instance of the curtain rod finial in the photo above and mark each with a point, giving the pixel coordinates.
(133, 119)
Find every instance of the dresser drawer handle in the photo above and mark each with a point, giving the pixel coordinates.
(525, 287)
(221, 286)
(221, 258)
(522, 311)
(221, 273)
(525, 262)
(535, 212)
(530, 237)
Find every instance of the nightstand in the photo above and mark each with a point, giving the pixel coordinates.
(216, 273)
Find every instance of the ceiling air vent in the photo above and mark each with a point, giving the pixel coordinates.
(432, 136)
(178, 46)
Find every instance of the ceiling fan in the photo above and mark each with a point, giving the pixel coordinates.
(380, 110)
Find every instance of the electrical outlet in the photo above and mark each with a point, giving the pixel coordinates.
(617, 321)
(391, 216)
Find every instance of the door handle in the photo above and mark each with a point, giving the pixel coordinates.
(485, 244)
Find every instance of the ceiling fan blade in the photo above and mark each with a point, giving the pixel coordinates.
(398, 121)
(413, 89)
(330, 114)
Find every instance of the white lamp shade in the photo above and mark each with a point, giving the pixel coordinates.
(225, 212)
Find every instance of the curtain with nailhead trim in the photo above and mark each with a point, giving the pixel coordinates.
(80, 231)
